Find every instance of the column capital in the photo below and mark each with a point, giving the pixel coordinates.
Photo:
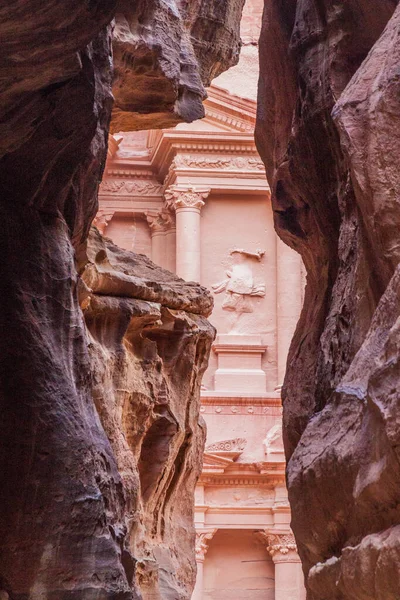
(203, 538)
(177, 197)
(281, 546)
(102, 220)
(160, 222)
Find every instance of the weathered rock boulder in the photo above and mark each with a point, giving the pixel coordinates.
(149, 343)
(77, 517)
(328, 130)
(165, 53)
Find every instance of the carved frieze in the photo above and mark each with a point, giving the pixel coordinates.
(226, 163)
(136, 187)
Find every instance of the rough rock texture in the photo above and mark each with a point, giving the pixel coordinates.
(328, 130)
(165, 53)
(74, 516)
(149, 346)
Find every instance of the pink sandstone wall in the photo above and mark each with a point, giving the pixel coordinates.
(230, 222)
(238, 567)
(131, 234)
(226, 425)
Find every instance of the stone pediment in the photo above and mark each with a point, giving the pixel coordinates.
(216, 465)
(224, 112)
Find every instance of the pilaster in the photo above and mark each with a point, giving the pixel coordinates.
(203, 539)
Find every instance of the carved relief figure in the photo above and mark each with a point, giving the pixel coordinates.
(273, 442)
(239, 285)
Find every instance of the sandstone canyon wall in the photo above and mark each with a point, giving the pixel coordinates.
(99, 433)
(328, 130)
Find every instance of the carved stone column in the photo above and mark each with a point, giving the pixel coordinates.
(289, 580)
(187, 203)
(102, 220)
(170, 242)
(158, 228)
(202, 541)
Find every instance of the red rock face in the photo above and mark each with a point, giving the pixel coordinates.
(328, 129)
(95, 447)
(164, 55)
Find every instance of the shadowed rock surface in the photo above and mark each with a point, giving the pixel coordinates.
(328, 130)
(85, 511)
(165, 53)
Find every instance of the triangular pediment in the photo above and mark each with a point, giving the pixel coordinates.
(224, 112)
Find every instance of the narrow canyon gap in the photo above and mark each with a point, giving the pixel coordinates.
(328, 131)
(99, 430)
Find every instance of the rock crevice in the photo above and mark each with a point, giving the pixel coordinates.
(328, 129)
(85, 402)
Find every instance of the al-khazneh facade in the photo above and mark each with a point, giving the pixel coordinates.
(195, 199)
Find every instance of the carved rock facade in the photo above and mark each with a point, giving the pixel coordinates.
(75, 517)
(328, 130)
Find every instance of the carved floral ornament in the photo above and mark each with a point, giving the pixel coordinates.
(202, 541)
(102, 220)
(236, 445)
(279, 545)
(227, 163)
(191, 197)
(137, 187)
(161, 221)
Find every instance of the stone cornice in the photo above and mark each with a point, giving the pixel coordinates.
(231, 103)
(218, 472)
(228, 120)
(173, 142)
(209, 398)
(226, 480)
(130, 172)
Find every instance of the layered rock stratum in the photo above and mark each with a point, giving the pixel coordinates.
(328, 130)
(100, 438)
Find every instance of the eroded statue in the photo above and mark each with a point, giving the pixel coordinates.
(239, 286)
